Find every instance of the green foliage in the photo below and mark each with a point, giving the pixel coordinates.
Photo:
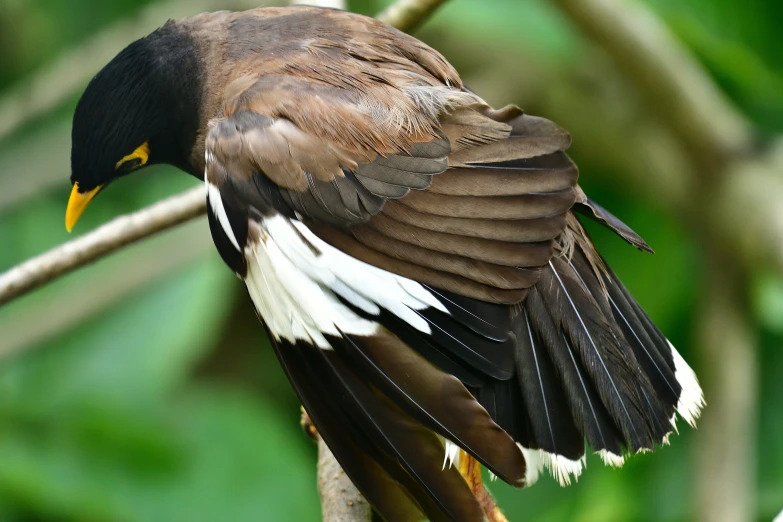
(102, 424)
(164, 402)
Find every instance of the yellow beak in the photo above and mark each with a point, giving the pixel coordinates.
(77, 203)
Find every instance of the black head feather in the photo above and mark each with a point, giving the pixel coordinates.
(150, 92)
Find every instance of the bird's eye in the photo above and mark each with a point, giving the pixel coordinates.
(127, 166)
(135, 159)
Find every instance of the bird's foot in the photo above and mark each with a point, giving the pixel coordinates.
(470, 469)
(307, 425)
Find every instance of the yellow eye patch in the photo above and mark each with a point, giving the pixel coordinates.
(142, 153)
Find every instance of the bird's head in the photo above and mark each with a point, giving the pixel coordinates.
(141, 109)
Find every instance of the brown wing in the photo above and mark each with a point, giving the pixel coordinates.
(484, 227)
(480, 200)
(414, 257)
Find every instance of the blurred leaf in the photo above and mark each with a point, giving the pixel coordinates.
(768, 301)
(770, 460)
(226, 453)
(140, 348)
(524, 24)
(756, 87)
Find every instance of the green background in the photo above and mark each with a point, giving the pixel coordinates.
(142, 388)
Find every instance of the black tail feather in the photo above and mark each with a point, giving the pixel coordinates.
(622, 385)
(503, 401)
(588, 411)
(492, 357)
(648, 349)
(550, 419)
(487, 319)
(658, 340)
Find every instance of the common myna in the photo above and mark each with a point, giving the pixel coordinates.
(414, 254)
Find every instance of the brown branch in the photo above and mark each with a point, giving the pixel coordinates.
(340, 500)
(26, 325)
(726, 447)
(108, 238)
(663, 70)
(406, 15)
(332, 4)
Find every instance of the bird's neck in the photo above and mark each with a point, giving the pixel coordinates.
(207, 34)
(178, 79)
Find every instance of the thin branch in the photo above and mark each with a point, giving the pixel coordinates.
(726, 441)
(340, 500)
(141, 264)
(662, 69)
(406, 15)
(110, 237)
(333, 4)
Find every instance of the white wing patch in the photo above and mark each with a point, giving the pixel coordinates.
(295, 278)
(216, 202)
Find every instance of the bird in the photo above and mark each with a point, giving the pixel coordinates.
(417, 258)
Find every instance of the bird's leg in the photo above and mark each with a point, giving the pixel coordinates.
(307, 425)
(470, 469)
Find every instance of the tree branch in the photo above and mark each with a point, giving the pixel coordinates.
(333, 4)
(110, 237)
(650, 56)
(340, 500)
(406, 15)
